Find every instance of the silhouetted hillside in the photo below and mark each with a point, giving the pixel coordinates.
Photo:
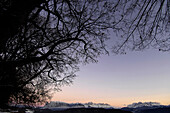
(85, 110)
(153, 109)
(157, 110)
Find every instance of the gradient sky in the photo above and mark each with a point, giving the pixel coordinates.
(120, 80)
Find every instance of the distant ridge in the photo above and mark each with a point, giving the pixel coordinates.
(147, 107)
(60, 105)
(143, 104)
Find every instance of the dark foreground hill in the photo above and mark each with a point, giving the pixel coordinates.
(84, 110)
(157, 110)
(161, 109)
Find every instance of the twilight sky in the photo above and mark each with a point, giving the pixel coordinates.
(120, 80)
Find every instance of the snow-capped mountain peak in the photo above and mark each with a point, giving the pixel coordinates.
(96, 105)
(143, 104)
(58, 104)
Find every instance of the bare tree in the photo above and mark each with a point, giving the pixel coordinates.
(14, 13)
(142, 24)
(47, 44)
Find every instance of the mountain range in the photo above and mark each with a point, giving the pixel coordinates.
(139, 107)
(63, 105)
(90, 107)
(147, 107)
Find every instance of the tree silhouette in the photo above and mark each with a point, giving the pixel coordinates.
(142, 24)
(42, 42)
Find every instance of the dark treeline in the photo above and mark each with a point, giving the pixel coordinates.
(86, 110)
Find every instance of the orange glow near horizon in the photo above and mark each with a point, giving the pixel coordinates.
(116, 101)
(121, 80)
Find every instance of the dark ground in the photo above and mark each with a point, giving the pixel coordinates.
(84, 110)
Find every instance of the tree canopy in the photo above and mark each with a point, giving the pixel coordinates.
(142, 24)
(43, 48)
(42, 42)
